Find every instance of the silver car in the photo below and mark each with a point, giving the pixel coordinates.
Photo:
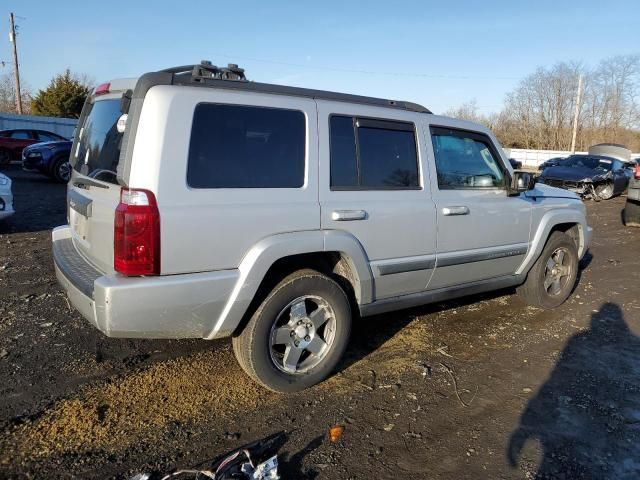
(203, 205)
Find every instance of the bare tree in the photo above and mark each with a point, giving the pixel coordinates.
(8, 95)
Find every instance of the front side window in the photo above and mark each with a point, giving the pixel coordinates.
(372, 154)
(235, 146)
(465, 160)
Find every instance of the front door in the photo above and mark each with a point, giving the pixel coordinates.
(373, 188)
(482, 232)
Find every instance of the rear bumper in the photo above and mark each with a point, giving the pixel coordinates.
(170, 306)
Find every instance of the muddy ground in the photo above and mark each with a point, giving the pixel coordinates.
(484, 387)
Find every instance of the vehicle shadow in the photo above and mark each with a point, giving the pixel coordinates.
(39, 202)
(370, 333)
(586, 417)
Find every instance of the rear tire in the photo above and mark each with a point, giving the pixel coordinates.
(631, 213)
(61, 170)
(306, 309)
(553, 276)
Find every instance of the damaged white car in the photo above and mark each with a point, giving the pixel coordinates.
(6, 197)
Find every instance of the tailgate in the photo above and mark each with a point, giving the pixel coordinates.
(94, 193)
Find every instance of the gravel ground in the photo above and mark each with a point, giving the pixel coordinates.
(484, 387)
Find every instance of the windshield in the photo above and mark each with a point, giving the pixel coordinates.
(98, 149)
(588, 162)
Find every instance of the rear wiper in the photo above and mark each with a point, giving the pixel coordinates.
(86, 183)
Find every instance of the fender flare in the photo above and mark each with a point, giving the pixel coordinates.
(256, 263)
(546, 224)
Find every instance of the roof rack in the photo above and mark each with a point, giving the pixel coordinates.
(206, 69)
(232, 77)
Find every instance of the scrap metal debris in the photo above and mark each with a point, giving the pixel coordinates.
(238, 465)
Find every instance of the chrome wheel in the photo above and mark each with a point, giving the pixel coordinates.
(557, 271)
(302, 334)
(605, 191)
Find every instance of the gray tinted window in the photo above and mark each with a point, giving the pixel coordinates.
(344, 170)
(465, 160)
(371, 154)
(98, 150)
(236, 146)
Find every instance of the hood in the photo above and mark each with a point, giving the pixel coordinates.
(54, 144)
(542, 190)
(572, 174)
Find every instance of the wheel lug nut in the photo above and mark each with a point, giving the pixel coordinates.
(292, 333)
(297, 343)
(307, 338)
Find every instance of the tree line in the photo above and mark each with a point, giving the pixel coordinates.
(63, 97)
(539, 112)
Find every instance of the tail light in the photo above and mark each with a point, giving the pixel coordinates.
(636, 172)
(137, 233)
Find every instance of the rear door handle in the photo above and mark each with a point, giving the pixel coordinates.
(460, 210)
(348, 215)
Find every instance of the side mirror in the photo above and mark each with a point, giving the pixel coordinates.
(521, 182)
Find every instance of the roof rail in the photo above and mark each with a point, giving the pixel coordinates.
(205, 74)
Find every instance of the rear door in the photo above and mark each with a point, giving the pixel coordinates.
(93, 192)
(373, 187)
(482, 232)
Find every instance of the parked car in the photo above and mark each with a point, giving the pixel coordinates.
(13, 141)
(515, 164)
(631, 212)
(590, 176)
(6, 197)
(274, 214)
(552, 162)
(49, 158)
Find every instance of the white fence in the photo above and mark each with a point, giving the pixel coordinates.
(61, 126)
(533, 158)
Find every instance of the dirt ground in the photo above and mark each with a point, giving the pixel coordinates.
(484, 387)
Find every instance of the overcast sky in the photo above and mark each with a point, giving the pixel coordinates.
(436, 53)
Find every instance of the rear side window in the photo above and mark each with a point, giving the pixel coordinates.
(20, 135)
(98, 147)
(234, 146)
(370, 154)
(465, 160)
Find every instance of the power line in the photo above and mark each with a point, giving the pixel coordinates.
(367, 72)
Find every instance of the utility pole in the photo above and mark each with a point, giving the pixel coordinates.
(16, 69)
(576, 115)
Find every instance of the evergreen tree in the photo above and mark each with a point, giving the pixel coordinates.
(64, 97)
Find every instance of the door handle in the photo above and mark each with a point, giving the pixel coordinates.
(348, 215)
(461, 210)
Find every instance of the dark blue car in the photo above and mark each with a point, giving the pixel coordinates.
(49, 158)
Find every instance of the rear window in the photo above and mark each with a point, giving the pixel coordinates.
(234, 146)
(98, 149)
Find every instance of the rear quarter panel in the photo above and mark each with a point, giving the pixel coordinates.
(213, 229)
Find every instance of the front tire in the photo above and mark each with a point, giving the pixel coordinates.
(604, 191)
(297, 335)
(552, 278)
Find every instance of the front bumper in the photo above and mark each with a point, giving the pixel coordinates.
(170, 306)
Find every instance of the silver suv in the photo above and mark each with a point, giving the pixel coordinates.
(204, 205)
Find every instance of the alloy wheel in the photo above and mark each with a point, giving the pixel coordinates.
(302, 335)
